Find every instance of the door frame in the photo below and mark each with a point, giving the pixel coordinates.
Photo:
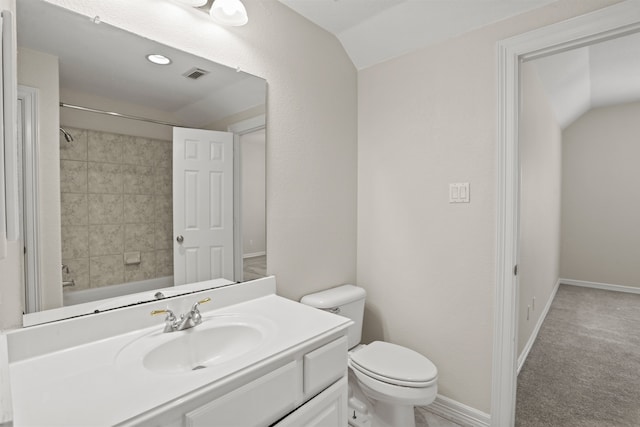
(607, 23)
(30, 195)
(238, 129)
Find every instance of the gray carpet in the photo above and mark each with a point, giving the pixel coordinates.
(584, 368)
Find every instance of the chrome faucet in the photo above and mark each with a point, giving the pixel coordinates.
(193, 317)
(186, 321)
(169, 321)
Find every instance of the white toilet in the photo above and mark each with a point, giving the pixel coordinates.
(386, 380)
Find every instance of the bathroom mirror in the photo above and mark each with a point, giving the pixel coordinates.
(112, 117)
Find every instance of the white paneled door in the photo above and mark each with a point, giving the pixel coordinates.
(202, 205)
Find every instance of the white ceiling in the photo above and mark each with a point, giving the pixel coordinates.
(373, 31)
(108, 62)
(599, 75)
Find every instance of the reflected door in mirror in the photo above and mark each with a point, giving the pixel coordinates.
(203, 205)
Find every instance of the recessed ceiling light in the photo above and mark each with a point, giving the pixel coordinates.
(156, 58)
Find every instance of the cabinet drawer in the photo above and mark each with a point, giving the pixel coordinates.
(324, 366)
(258, 403)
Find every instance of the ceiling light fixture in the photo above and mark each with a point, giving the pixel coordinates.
(158, 59)
(229, 12)
(224, 12)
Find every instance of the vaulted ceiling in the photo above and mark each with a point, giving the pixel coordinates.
(373, 31)
(599, 75)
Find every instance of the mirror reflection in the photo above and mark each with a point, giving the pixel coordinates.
(161, 174)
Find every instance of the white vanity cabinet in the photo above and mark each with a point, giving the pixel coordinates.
(124, 373)
(327, 409)
(303, 387)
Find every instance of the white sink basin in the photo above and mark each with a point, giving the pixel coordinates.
(199, 348)
(217, 340)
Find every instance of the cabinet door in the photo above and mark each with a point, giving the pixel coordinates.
(324, 366)
(328, 409)
(258, 403)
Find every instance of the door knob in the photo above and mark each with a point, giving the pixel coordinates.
(180, 239)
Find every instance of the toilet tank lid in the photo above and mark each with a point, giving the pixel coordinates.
(334, 297)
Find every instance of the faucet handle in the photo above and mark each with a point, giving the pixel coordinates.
(196, 317)
(202, 301)
(166, 310)
(170, 320)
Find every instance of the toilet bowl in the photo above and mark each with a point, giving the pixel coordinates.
(393, 379)
(386, 380)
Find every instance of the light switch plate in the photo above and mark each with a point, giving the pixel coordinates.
(459, 192)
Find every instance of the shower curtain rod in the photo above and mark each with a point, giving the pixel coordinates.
(113, 113)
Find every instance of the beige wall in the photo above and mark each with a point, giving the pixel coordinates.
(540, 199)
(311, 128)
(223, 124)
(425, 120)
(600, 204)
(39, 70)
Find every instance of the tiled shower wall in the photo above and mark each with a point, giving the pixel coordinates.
(116, 198)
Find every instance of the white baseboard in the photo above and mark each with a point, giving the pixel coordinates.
(604, 286)
(534, 334)
(459, 413)
(254, 254)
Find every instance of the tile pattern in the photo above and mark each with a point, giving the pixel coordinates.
(116, 197)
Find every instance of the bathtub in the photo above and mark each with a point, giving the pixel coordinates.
(93, 300)
(71, 297)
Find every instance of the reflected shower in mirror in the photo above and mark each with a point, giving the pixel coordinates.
(128, 131)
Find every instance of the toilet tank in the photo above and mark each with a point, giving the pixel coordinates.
(345, 300)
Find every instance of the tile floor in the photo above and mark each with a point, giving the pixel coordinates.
(255, 267)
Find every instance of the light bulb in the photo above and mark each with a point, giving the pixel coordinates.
(229, 12)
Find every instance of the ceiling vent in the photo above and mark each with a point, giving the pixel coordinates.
(195, 73)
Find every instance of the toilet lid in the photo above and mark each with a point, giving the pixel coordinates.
(395, 364)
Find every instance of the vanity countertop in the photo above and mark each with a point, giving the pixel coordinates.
(94, 384)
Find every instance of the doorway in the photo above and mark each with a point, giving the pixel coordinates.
(249, 146)
(254, 235)
(611, 22)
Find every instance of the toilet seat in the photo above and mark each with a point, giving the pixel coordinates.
(394, 364)
(394, 394)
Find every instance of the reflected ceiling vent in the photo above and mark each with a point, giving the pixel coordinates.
(195, 73)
